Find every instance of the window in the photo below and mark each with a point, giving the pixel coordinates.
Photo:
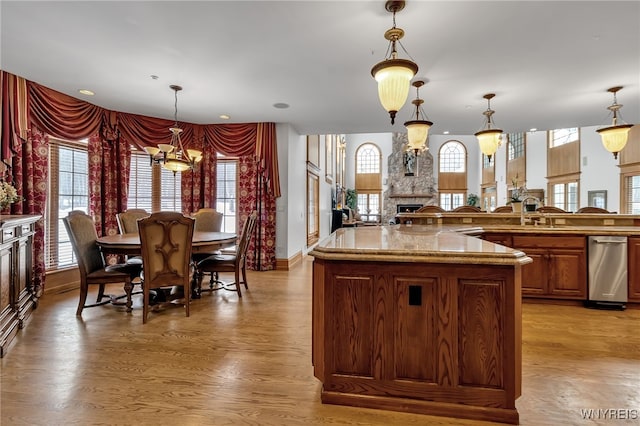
(632, 189)
(369, 206)
(452, 175)
(453, 157)
(565, 195)
(152, 187)
(368, 159)
(226, 200)
(488, 163)
(69, 190)
(451, 200)
(559, 137)
(515, 145)
(369, 182)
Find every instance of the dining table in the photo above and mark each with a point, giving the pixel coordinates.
(202, 242)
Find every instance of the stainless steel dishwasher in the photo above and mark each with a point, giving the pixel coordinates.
(607, 272)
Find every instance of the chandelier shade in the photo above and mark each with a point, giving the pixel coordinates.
(172, 155)
(614, 137)
(489, 138)
(393, 74)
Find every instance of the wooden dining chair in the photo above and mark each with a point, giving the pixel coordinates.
(503, 209)
(128, 220)
(207, 220)
(93, 270)
(550, 209)
(430, 209)
(165, 242)
(235, 262)
(467, 209)
(593, 210)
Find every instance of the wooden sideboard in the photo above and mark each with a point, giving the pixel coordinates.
(414, 319)
(17, 297)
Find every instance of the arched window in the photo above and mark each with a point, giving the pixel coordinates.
(369, 182)
(452, 175)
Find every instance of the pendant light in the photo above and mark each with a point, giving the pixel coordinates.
(614, 137)
(393, 74)
(489, 138)
(418, 128)
(173, 156)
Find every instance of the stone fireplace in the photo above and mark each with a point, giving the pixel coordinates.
(410, 188)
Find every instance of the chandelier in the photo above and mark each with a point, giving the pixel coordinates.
(418, 129)
(489, 138)
(614, 137)
(172, 155)
(393, 74)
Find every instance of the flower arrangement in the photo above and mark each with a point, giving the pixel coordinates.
(518, 192)
(8, 195)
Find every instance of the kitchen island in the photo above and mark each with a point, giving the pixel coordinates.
(422, 319)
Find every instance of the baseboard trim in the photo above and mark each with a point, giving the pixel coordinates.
(290, 263)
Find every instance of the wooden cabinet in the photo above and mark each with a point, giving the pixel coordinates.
(417, 337)
(17, 298)
(633, 272)
(559, 268)
(498, 238)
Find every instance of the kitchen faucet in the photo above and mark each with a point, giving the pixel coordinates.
(523, 220)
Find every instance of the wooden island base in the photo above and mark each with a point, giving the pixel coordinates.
(435, 331)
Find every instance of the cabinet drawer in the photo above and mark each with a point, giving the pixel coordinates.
(550, 241)
(8, 234)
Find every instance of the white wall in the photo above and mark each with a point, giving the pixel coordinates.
(599, 169)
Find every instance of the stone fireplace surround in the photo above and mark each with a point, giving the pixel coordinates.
(407, 190)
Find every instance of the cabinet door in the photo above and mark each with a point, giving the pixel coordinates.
(534, 275)
(568, 273)
(633, 272)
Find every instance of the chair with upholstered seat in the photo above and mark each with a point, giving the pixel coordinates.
(503, 209)
(165, 241)
(550, 209)
(593, 210)
(93, 270)
(207, 220)
(128, 220)
(430, 209)
(467, 209)
(230, 262)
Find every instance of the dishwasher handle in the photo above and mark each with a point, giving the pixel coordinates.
(609, 240)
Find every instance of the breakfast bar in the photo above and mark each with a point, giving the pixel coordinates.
(422, 319)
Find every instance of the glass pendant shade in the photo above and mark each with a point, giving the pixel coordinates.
(176, 165)
(417, 132)
(394, 79)
(614, 138)
(489, 141)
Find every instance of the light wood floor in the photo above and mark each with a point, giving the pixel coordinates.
(249, 362)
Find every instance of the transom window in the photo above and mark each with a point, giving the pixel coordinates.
(452, 157)
(559, 137)
(368, 159)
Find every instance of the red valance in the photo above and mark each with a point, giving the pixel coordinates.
(62, 116)
(13, 122)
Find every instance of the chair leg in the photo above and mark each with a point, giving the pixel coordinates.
(145, 303)
(128, 289)
(244, 276)
(83, 298)
(100, 293)
(238, 288)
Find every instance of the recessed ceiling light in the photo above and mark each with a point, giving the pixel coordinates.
(281, 105)
(154, 77)
(86, 92)
(446, 132)
(224, 116)
(533, 129)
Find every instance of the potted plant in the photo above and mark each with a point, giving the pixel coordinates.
(472, 199)
(518, 192)
(351, 199)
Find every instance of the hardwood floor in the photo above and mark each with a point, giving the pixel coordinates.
(248, 362)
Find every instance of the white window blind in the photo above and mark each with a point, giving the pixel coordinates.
(170, 191)
(226, 199)
(140, 183)
(69, 189)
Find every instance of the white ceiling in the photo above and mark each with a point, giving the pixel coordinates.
(548, 62)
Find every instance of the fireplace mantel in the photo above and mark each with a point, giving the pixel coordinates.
(411, 196)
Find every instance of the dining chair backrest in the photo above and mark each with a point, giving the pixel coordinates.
(593, 210)
(165, 242)
(247, 231)
(82, 234)
(467, 209)
(128, 220)
(430, 209)
(208, 220)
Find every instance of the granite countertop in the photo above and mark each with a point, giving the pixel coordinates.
(559, 229)
(416, 243)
